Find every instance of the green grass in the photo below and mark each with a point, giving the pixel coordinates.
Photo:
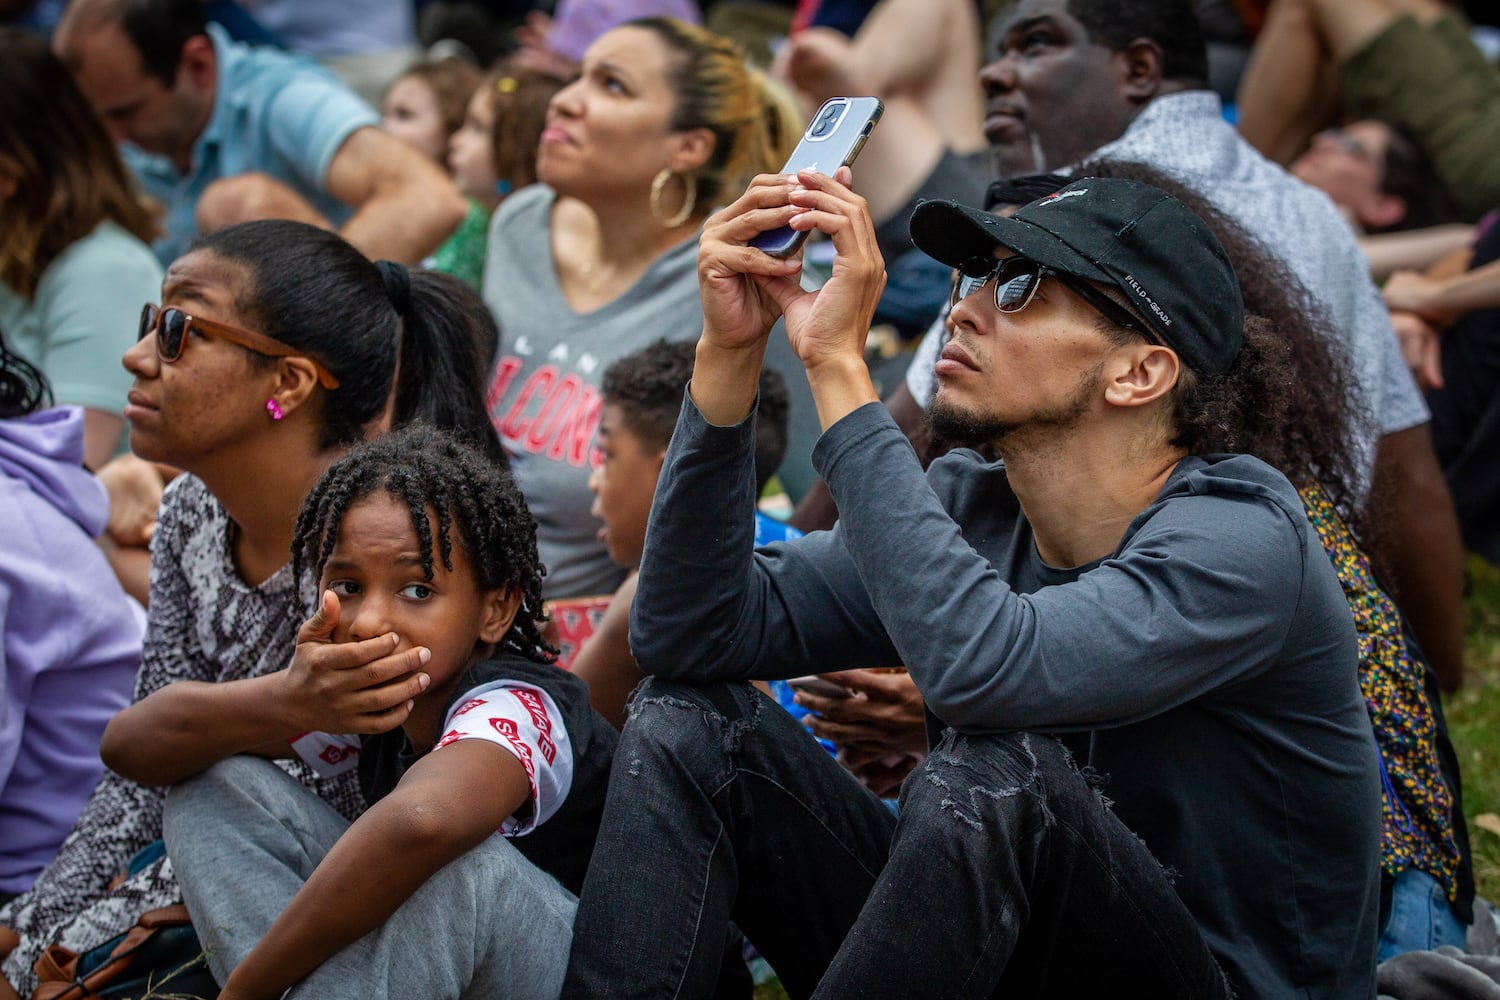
(771, 991)
(1474, 724)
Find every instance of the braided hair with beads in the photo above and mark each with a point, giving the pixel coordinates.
(427, 468)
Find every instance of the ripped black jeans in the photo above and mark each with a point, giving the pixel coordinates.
(1006, 872)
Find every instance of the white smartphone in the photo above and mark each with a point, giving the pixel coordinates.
(833, 139)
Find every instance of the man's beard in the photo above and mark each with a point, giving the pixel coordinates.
(950, 426)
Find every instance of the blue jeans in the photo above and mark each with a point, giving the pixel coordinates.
(244, 836)
(1420, 917)
(1006, 871)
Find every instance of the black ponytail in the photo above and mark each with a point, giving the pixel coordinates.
(447, 346)
(311, 290)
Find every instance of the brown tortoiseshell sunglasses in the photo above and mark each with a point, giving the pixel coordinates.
(172, 326)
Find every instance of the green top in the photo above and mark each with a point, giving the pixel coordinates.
(84, 315)
(462, 255)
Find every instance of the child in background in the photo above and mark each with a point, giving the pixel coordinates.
(491, 154)
(423, 549)
(642, 394)
(425, 105)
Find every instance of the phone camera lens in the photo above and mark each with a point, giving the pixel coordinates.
(827, 120)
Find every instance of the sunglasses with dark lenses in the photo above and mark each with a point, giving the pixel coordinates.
(172, 326)
(1016, 280)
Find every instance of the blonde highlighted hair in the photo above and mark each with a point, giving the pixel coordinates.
(754, 121)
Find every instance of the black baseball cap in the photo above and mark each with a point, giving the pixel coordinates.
(1170, 267)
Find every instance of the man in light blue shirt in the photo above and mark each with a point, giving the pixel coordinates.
(221, 132)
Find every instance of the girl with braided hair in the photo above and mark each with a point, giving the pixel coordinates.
(276, 348)
(486, 786)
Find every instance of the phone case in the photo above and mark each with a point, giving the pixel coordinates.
(833, 139)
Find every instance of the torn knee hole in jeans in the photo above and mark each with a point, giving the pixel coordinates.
(968, 805)
(667, 700)
(734, 729)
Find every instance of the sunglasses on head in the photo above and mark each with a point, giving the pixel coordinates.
(172, 326)
(1016, 280)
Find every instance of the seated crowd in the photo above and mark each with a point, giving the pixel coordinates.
(1047, 579)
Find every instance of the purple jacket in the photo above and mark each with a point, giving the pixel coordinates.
(72, 638)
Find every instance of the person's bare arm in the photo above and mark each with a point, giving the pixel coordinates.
(1417, 541)
(1445, 297)
(405, 206)
(930, 51)
(1420, 349)
(101, 436)
(1419, 334)
(183, 728)
(902, 150)
(448, 803)
(1413, 250)
(132, 566)
(605, 662)
(1289, 88)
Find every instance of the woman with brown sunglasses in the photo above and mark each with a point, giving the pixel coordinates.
(275, 348)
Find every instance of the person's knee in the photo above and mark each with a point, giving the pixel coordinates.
(192, 803)
(248, 197)
(972, 778)
(685, 724)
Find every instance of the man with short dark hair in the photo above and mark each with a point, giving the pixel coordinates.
(1377, 175)
(1167, 611)
(220, 132)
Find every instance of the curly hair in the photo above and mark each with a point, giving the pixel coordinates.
(647, 387)
(436, 470)
(1290, 398)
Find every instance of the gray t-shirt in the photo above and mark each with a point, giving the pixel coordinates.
(1209, 662)
(544, 392)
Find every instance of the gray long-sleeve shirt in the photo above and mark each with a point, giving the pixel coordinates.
(1210, 660)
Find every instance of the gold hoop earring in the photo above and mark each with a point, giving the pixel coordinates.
(689, 198)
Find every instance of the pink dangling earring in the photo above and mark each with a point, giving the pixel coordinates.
(274, 410)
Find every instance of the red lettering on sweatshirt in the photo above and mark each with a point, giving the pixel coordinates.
(553, 415)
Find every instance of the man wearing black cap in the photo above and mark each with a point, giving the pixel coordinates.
(1169, 614)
